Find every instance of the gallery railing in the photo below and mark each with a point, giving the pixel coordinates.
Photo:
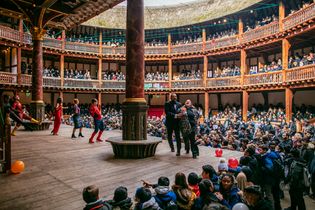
(300, 73)
(260, 32)
(81, 83)
(222, 42)
(51, 82)
(187, 84)
(110, 84)
(182, 48)
(265, 78)
(8, 78)
(156, 85)
(224, 82)
(299, 17)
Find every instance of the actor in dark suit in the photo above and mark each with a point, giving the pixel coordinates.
(172, 110)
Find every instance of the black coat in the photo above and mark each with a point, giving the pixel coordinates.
(171, 109)
(262, 204)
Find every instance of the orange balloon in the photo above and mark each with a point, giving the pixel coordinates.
(17, 167)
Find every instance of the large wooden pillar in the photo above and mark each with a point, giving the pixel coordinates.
(204, 39)
(240, 28)
(206, 105)
(288, 104)
(135, 106)
(99, 71)
(99, 99)
(285, 57)
(169, 43)
(245, 105)
(37, 103)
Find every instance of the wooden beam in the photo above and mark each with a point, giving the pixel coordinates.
(288, 104)
(245, 105)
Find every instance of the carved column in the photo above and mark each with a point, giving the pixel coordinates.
(135, 106)
(204, 39)
(99, 71)
(245, 105)
(288, 104)
(240, 28)
(37, 103)
(169, 43)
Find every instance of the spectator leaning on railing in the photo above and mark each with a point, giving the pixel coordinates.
(297, 60)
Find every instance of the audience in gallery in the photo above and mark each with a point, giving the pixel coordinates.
(302, 6)
(188, 39)
(51, 71)
(113, 75)
(156, 76)
(227, 71)
(298, 61)
(222, 34)
(262, 22)
(188, 74)
(77, 74)
(273, 66)
(83, 38)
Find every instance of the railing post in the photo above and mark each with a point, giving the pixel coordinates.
(206, 105)
(169, 43)
(243, 65)
(100, 43)
(170, 72)
(288, 104)
(205, 70)
(285, 57)
(281, 15)
(240, 28)
(245, 105)
(19, 53)
(204, 39)
(62, 70)
(63, 39)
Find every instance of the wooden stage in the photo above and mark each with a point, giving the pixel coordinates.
(58, 168)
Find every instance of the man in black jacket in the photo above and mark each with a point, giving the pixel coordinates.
(172, 109)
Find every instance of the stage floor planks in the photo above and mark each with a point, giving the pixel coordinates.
(58, 168)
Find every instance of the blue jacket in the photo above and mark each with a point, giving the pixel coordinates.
(267, 166)
(231, 198)
(164, 195)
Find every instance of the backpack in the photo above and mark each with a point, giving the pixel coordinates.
(166, 205)
(306, 177)
(278, 169)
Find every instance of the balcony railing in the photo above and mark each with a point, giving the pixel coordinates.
(79, 47)
(52, 43)
(159, 50)
(223, 42)
(224, 82)
(299, 17)
(26, 79)
(120, 50)
(81, 83)
(110, 84)
(182, 84)
(108, 50)
(9, 33)
(300, 73)
(261, 32)
(156, 85)
(51, 82)
(191, 47)
(266, 78)
(8, 78)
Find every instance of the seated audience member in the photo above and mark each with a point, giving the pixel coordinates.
(91, 197)
(228, 193)
(193, 181)
(223, 166)
(165, 197)
(254, 198)
(121, 201)
(145, 200)
(185, 197)
(208, 172)
(207, 197)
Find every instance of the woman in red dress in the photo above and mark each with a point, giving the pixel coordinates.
(58, 114)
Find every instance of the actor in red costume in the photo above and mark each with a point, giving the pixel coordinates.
(98, 122)
(18, 109)
(58, 115)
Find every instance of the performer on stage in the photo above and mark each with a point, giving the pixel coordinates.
(190, 113)
(76, 119)
(98, 121)
(58, 115)
(172, 109)
(18, 109)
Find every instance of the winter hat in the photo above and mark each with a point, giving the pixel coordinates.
(223, 166)
(193, 178)
(143, 194)
(120, 194)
